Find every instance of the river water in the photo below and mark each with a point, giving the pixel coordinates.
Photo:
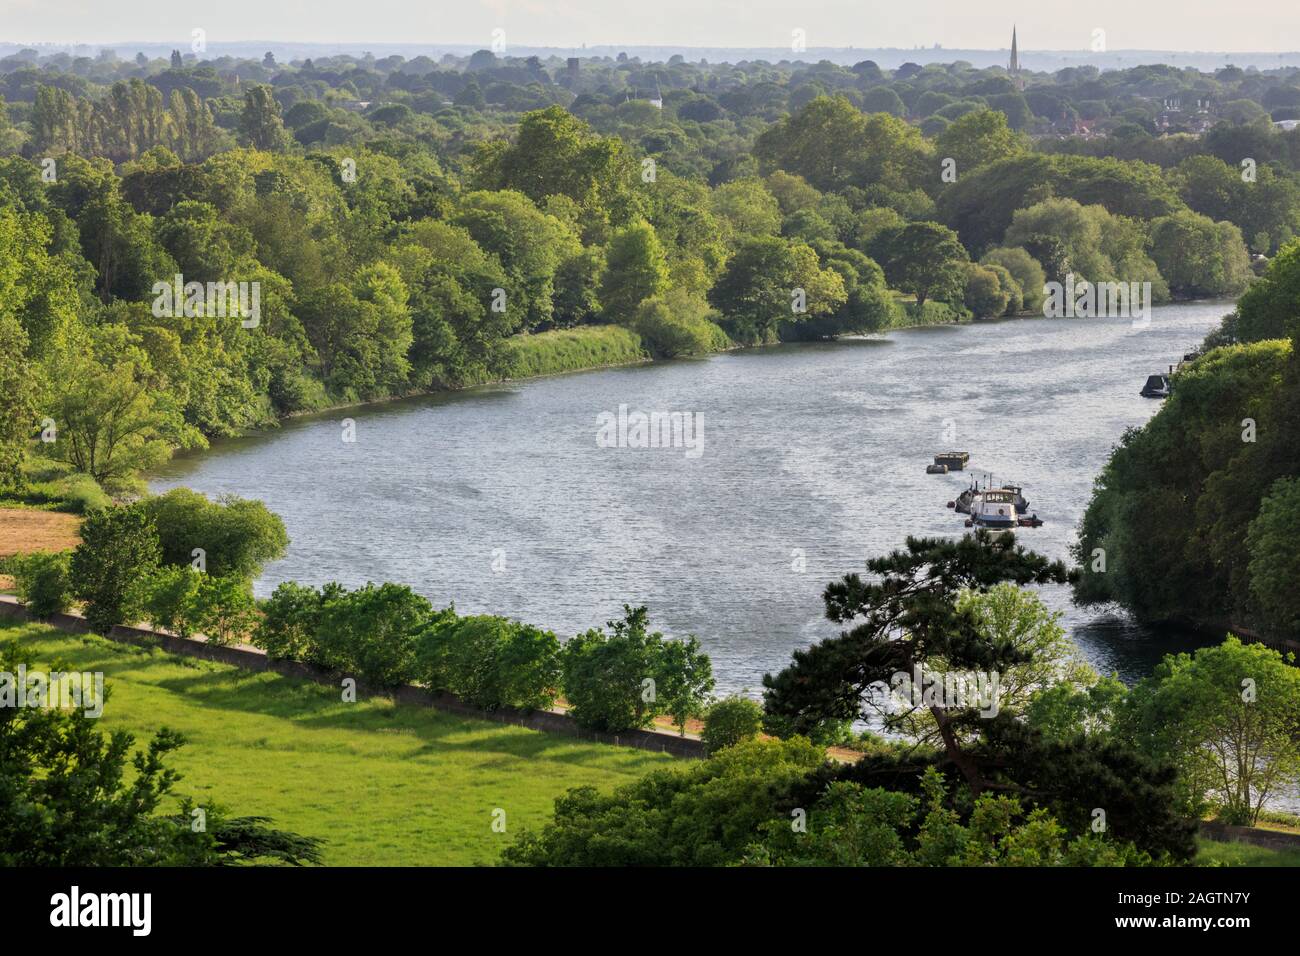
(813, 457)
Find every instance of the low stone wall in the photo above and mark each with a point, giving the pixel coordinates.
(254, 659)
(1257, 836)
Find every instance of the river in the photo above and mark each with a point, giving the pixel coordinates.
(813, 457)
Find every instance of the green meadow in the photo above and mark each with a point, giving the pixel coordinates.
(384, 784)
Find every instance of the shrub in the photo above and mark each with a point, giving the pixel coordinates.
(1026, 271)
(83, 495)
(237, 535)
(622, 681)
(372, 631)
(984, 295)
(119, 546)
(223, 609)
(678, 324)
(489, 661)
(290, 621)
(701, 813)
(568, 350)
(1007, 282)
(42, 581)
(730, 721)
(166, 598)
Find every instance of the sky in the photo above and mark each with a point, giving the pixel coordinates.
(1259, 26)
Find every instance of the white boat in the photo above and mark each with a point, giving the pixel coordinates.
(994, 508)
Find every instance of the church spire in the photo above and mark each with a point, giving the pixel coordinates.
(1014, 66)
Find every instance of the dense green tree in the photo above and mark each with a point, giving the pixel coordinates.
(110, 423)
(767, 281)
(1228, 717)
(635, 270)
(237, 536)
(555, 153)
(1179, 494)
(983, 293)
(678, 324)
(623, 679)
(489, 662)
(908, 617)
(1267, 310)
(1274, 558)
(978, 139)
(290, 621)
(260, 124)
(119, 546)
(18, 404)
(731, 721)
(922, 258)
(371, 633)
(1199, 258)
(1026, 272)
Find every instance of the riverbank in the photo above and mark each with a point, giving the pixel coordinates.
(587, 348)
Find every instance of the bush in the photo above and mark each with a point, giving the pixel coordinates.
(678, 324)
(166, 598)
(489, 662)
(984, 294)
(1026, 272)
(1007, 282)
(223, 609)
(237, 536)
(730, 721)
(42, 581)
(372, 632)
(622, 681)
(83, 495)
(119, 546)
(290, 621)
(701, 813)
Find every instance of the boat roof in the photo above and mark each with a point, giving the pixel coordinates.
(997, 494)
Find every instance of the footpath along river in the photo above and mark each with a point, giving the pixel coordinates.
(503, 500)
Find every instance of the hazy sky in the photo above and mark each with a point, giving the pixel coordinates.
(1262, 25)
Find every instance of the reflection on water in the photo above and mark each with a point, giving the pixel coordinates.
(500, 500)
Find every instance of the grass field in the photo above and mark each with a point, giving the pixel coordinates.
(1215, 853)
(383, 784)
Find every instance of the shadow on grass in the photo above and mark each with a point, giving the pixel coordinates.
(312, 706)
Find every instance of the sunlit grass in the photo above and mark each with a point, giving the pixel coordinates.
(1215, 853)
(383, 784)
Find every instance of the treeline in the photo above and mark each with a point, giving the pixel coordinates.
(405, 252)
(1196, 517)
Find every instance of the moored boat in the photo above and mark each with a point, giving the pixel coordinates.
(1157, 386)
(962, 503)
(994, 508)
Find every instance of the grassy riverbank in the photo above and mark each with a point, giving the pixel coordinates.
(571, 350)
(385, 785)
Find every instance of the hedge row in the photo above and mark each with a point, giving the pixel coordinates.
(388, 635)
